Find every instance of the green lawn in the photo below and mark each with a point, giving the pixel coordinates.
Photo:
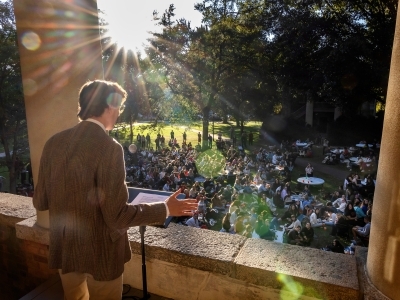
(191, 130)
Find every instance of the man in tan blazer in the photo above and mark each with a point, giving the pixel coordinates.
(82, 184)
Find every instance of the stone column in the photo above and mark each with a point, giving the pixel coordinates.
(383, 263)
(60, 50)
(337, 113)
(310, 113)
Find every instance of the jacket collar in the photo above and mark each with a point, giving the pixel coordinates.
(96, 122)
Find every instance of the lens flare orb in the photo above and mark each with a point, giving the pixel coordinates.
(210, 163)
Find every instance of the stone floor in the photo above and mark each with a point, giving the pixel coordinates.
(52, 290)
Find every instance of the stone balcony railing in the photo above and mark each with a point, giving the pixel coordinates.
(189, 263)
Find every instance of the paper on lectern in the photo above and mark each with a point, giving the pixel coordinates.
(148, 198)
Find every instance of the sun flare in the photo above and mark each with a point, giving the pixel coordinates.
(130, 22)
(127, 31)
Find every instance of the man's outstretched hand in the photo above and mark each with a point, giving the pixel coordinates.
(177, 208)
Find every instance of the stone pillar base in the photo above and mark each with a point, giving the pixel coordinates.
(367, 289)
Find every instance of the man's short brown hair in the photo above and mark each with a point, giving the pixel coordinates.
(95, 96)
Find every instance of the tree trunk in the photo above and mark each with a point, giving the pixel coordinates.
(204, 139)
(10, 157)
(131, 128)
(225, 119)
(286, 104)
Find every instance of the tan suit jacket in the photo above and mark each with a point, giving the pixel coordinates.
(82, 184)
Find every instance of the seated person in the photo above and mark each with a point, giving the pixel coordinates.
(166, 187)
(342, 205)
(307, 233)
(362, 232)
(341, 226)
(218, 201)
(284, 193)
(366, 161)
(211, 216)
(227, 192)
(359, 212)
(226, 224)
(239, 225)
(336, 247)
(356, 165)
(248, 231)
(338, 200)
(314, 220)
(294, 237)
(292, 210)
(234, 205)
(263, 229)
(335, 196)
(306, 194)
(208, 183)
(350, 214)
(262, 189)
(332, 218)
(294, 222)
(276, 159)
(328, 160)
(234, 216)
(246, 170)
(247, 188)
(194, 220)
(346, 153)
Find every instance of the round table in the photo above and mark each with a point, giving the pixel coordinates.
(355, 159)
(301, 144)
(364, 145)
(337, 151)
(311, 180)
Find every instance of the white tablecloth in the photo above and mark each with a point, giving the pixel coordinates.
(311, 180)
(363, 145)
(301, 144)
(337, 151)
(355, 159)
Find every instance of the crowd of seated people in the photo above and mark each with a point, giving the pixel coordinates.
(253, 187)
(170, 168)
(346, 210)
(163, 169)
(352, 208)
(355, 159)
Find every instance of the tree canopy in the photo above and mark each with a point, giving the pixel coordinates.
(260, 54)
(12, 108)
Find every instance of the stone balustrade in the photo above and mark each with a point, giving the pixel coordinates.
(190, 263)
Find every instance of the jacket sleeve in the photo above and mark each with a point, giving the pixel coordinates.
(113, 195)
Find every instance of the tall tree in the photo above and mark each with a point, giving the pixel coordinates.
(12, 109)
(201, 64)
(336, 51)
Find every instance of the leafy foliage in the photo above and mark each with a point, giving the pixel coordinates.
(12, 109)
(254, 58)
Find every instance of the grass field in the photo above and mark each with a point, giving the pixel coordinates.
(191, 131)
